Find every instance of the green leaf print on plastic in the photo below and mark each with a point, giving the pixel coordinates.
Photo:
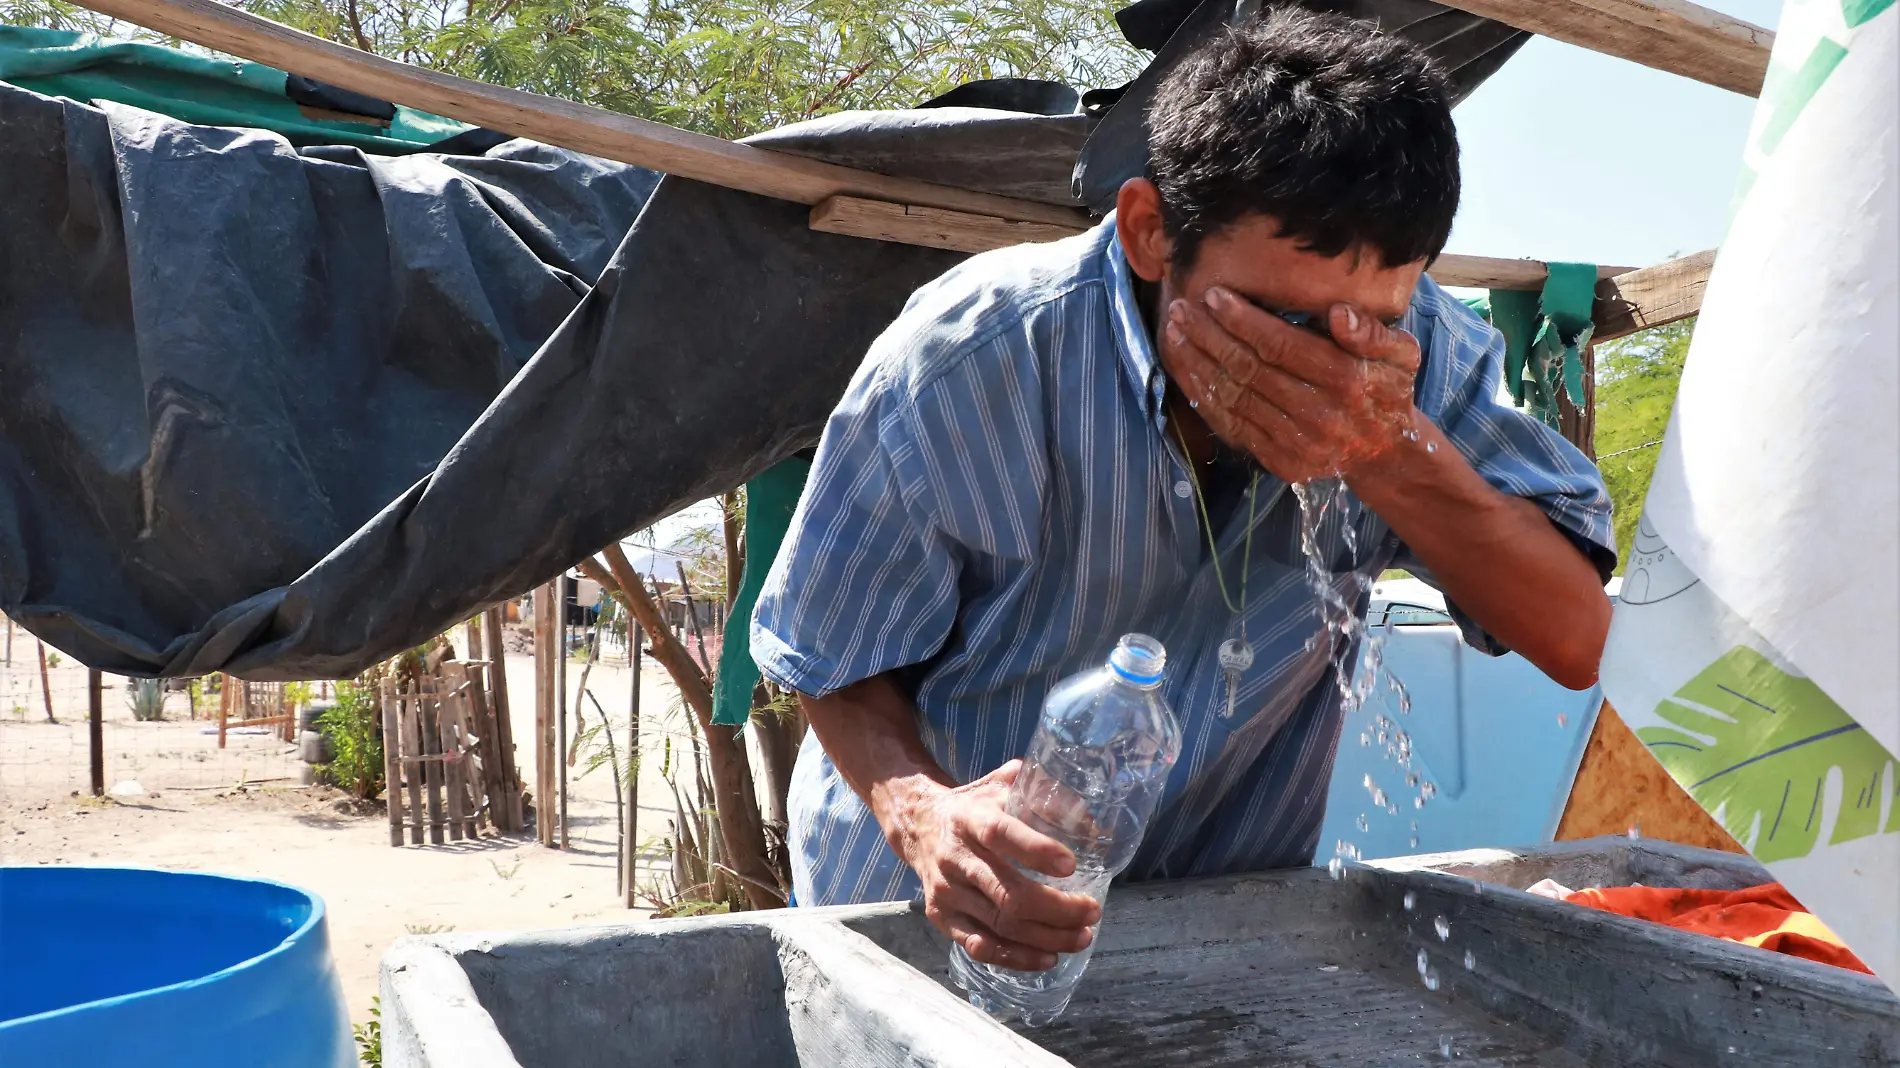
(1757, 744)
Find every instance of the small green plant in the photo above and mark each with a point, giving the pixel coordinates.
(351, 728)
(369, 1036)
(298, 694)
(147, 700)
(53, 659)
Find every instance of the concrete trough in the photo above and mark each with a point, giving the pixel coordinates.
(1285, 968)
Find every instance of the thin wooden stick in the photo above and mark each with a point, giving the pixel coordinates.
(560, 708)
(95, 730)
(46, 690)
(630, 843)
(509, 773)
(406, 707)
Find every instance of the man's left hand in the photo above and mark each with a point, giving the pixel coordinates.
(1304, 405)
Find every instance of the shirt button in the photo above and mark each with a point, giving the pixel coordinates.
(1182, 489)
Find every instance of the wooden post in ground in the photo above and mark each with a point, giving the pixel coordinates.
(508, 770)
(9, 641)
(95, 729)
(543, 712)
(46, 687)
(630, 842)
(559, 742)
(429, 745)
(392, 760)
(225, 697)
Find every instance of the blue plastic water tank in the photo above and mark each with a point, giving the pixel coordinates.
(104, 967)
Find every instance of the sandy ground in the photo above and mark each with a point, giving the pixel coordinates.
(192, 815)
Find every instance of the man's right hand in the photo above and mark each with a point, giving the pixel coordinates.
(961, 840)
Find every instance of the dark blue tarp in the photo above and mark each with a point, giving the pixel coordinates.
(285, 412)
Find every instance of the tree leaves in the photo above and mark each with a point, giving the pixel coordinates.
(1757, 746)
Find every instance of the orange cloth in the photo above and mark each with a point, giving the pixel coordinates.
(1766, 916)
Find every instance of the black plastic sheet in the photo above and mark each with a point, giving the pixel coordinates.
(285, 413)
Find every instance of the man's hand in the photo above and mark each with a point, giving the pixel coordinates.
(1304, 405)
(960, 840)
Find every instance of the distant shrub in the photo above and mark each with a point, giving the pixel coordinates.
(352, 728)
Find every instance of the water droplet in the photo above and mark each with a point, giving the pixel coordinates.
(1428, 789)
(1471, 960)
(1415, 841)
(1364, 739)
(1424, 963)
(1430, 978)
(1635, 831)
(1362, 823)
(1411, 779)
(1443, 927)
(1731, 1049)
(1418, 802)
(1336, 868)
(1411, 900)
(1444, 1046)
(1563, 720)
(1431, 446)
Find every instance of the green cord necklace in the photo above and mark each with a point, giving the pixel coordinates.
(1236, 654)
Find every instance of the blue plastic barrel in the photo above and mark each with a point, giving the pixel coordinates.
(109, 967)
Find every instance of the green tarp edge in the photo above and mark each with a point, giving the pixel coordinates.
(770, 499)
(195, 88)
(1544, 333)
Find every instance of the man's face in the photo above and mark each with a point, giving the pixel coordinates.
(1251, 259)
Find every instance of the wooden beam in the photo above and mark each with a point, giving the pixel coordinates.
(914, 224)
(1668, 35)
(1490, 272)
(1653, 296)
(591, 130)
(961, 231)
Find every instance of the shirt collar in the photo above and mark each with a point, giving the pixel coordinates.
(1133, 341)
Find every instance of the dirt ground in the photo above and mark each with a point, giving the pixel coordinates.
(188, 812)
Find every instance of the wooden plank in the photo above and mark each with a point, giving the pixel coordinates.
(1621, 788)
(95, 730)
(1668, 35)
(594, 131)
(1653, 296)
(1491, 272)
(914, 224)
(429, 742)
(508, 804)
(412, 745)
(392, 762)
(543, 712)
(450, 768)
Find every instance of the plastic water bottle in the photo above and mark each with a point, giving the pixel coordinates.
(1091, 778)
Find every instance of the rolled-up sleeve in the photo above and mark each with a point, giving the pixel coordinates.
(865, 582)
(1458, 390)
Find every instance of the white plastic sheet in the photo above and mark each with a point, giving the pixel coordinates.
(1756, 649)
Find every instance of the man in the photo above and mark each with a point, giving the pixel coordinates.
(1035, 457)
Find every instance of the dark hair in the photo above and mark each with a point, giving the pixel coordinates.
(1339, 132)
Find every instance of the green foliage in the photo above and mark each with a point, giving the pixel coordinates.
(1636, 388)
(299, 694)
(147, 700)
(1757, 744)
(369, 1036)
(352, 728)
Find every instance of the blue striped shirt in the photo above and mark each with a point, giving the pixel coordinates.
(997, 499)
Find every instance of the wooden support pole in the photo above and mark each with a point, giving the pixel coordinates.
(545, 633)
(95, 729)
(561, 588)
(9, 641)
(46, 690)
(408, 705)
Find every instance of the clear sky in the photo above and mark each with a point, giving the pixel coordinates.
(1573, 155)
